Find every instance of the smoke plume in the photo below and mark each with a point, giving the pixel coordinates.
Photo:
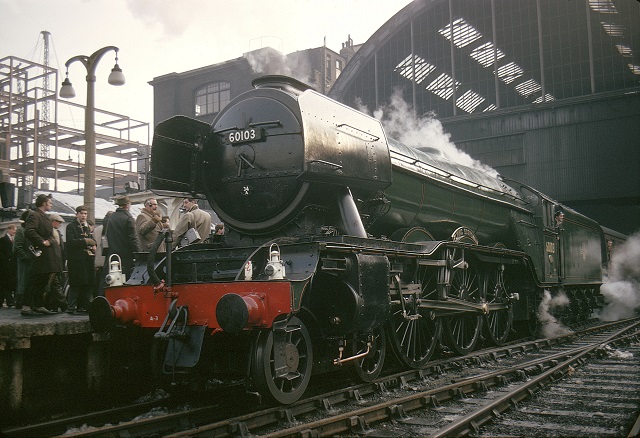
(400, 122)
(551, 327)
(621, 290)
(268, 61)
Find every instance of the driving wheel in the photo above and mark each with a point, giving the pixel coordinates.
(281, 361)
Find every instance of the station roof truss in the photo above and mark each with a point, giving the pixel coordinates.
(454, 57)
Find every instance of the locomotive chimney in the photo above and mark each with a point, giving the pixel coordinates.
(284, 83)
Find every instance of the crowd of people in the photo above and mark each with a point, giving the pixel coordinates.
(46, 274)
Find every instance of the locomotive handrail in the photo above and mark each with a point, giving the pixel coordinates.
(231, 128)
(375, 137)
(268, 122)
(155, 280)
(175, 141)
(237, 128)
(328, 163)
(528, 224)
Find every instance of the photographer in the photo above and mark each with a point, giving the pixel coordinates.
(81, 250)
(39, 232)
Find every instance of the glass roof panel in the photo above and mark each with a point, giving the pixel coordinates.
(469, 101)
(545, 98)
(614, 30)
(442, 86)
(422, 68)
(463, 33)
(484, 54)
(510, 72)
(527, 88)
(624, 50)
(603, 6)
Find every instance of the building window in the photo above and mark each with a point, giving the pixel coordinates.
(338, 67)
(211, 98)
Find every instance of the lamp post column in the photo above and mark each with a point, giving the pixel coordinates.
(115, 78)
(90, 148)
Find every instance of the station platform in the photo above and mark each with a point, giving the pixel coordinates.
(46, 360)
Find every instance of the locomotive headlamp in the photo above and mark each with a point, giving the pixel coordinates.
(274, 268)
(115, 277)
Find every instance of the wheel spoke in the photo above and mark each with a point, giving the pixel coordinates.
(369, 367)
(413, 334)
(298, 359)
(497, 323)
(462, 330)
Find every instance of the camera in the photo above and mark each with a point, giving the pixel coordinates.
(34, 251)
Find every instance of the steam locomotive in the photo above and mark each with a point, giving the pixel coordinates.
(343, 247)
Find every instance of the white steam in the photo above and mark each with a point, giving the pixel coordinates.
(268, 61)
(551, 327)
(621, 289)
(401, 122)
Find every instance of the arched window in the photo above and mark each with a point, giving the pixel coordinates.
(211, 98)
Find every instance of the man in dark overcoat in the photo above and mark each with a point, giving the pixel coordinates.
(39, 232)
(24, 259)
(81, 248)
(123, 239)
(54, 295)
(8, 267)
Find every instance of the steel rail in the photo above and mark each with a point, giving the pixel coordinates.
(471, 423)
(358, 420)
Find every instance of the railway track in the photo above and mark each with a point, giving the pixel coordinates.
(451, 397)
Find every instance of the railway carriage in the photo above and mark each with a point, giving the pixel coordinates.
(343, 247)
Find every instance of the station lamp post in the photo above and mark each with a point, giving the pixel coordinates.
(115, 78)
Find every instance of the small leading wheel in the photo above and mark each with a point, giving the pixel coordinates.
(462, 330)
(413, 330)
(368, 368)
(282, 360)
(497, 324)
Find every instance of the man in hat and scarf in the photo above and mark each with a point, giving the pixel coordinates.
(123, 239)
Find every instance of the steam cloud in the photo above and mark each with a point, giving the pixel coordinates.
(267, 61)
(621, 289)
(401, 123)
(550, 325)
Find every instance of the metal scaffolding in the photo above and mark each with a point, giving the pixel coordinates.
(122, 143)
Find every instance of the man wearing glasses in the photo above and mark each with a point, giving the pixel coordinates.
(149, 224)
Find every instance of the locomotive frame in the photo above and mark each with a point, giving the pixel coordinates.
(343, 246)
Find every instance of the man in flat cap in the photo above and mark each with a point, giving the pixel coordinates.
(54, 295)
(123, 239)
